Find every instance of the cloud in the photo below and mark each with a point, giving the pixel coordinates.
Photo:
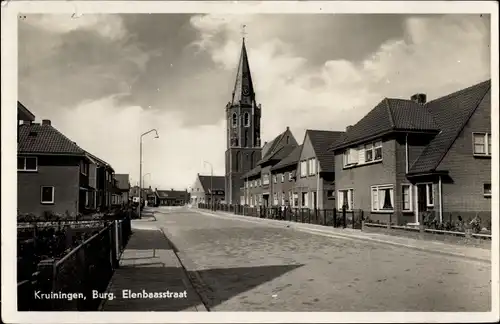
(107, 26)
(436, 55)
(112, 131)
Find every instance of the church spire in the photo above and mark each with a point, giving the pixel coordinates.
(243, 88)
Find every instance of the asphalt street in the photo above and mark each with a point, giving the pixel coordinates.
(258, 267)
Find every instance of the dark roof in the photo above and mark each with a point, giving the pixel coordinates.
(252, 173)
(45, 139)
(270, 148)
(175, 194)
(290, 159)
(275, 146)
(389, 115)
(451, 113)
(122, 181)
(218, 182)
(97, 161)
(321, 140)
(243, 92)
(23, 113)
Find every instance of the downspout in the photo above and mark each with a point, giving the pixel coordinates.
(406, 153)
(440, 200)
(317, 184)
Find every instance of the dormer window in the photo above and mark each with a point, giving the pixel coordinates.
(234, 120)
(246, 119)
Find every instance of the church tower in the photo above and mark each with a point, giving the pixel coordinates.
(242, 130)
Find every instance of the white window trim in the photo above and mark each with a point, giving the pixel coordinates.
(427, 191)
(41, 195)
(487, 138)
(484, 192)
(340, 191)
(82, 168)
(282, 177)
(311, 168)
(378, 187)
(357, 163)
(411, 198)
(290, 176)
(303, 171)
(265, 179)
(275, 178)
(28, 170)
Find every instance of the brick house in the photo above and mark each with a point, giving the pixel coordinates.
(53, 171)
(173, 197)
(314, 184)
(263, 193)
(407, 157)
(204, 186)
(123, 188)
(286, 170)
(101, 183)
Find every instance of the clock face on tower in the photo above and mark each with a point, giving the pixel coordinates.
(246, 91)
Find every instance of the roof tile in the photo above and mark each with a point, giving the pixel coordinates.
(36, 138)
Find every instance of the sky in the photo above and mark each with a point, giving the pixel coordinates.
(105, 79)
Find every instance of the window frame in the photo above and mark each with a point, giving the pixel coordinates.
(303, 171)
(246, 119)
(53, 195)
(304, 203)
(487, 144)
(234, 120)
(25, 163)
(282, 177)
(410, 193)
(311, 168)
(427, 193)
(290, 176)
(350, 198)
(265, 179)
(275, 179)
(378, 188)
(485, 194)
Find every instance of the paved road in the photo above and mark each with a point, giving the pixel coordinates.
(258, 267)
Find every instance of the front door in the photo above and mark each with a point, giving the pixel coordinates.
(265, 199)
(421, 201)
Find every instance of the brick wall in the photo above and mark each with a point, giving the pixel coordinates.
(61, 173)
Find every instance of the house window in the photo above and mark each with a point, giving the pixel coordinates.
(346, 197)
(383, 198)
(275, 179)
(407, 198)
(290, 198)
(265, 180)
(304, 199)
(312, 166)
(47, 195)
(351, 157)
(27, 163)
(251, 184)
(290, 176)
(330, 194)
(482, 144)
(283, 198)
(246, 119)
(378, 151)
(487, 189)
(275, 199)
(235, 121)
(303, 169)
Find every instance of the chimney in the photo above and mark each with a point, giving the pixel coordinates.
(156, 189)
(287, 128)
(171, 189)
(149, 187)
(46, 122)
(348, 128)
(420, 98)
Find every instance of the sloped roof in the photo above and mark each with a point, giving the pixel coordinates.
(290, 159)
(122, 181)
(389, 115)
(321, 140)
(451, 113)
(98, 161)
(174, 194)
(275, 146)
(23, 113)
(45, 139)
(218, 182)
(243, 87)
(252, 173)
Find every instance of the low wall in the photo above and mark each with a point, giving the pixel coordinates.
(458, 238)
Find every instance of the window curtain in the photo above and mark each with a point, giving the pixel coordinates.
(386, 199)
(374, 199)
(381, 198)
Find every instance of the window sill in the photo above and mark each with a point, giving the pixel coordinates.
(47, 203)
(27, 170)
(382, 211)
(361, 164)
(482, 156)
(487, 196)
(407, 211)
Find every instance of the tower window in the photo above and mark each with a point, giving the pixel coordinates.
(235, 120)
(246, 119)
(288, 139)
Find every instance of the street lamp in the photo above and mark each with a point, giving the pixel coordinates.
(140, 166)
(211, 184)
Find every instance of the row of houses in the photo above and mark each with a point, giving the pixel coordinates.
(404, 158)
(207, 189)
(56, 175)
(162, 197)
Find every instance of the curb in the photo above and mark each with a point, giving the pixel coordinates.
(297, 227)
(192, 275)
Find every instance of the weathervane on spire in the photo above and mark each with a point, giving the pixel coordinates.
(243, 31)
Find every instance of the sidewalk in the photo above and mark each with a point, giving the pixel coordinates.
(472, 253)
(149, 264)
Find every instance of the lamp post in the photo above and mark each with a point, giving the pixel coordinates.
(140, 166)
(211, 184)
